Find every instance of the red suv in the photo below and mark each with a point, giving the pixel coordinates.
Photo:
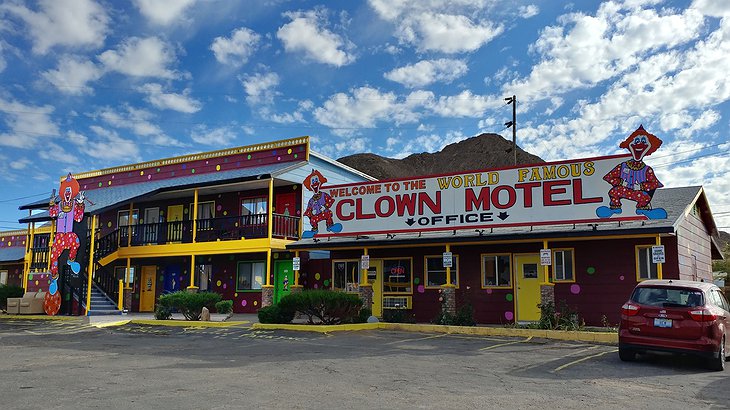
(676, 316)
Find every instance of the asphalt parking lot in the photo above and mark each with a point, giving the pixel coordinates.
(69, 364)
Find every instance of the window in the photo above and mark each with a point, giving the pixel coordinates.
(3, 277)
(253, 206)
(667, 297)
(250, 275)
(123, 218)
(346, 275)
(120, 273)
(397, 277)
(203, 276)
(206, 212)
(563, 265)
(497, 270)
(436, 273)
(645, 268)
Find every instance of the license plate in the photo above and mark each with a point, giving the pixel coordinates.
(662, 322)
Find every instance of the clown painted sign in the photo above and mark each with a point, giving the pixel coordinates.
(575, 191)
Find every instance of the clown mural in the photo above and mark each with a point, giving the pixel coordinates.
(67, 209)
(633, 179)
(318, 207)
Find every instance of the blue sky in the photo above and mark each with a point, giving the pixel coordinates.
(88, 84)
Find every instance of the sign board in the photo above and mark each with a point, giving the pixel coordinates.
(448, 259)
(657, 254)
(546, 257)
(573, 191)
(296, 263)
(365, 262)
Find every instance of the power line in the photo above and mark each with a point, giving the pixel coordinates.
(690, 159)
(24, 197)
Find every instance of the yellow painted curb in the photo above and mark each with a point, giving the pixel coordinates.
(111, 324)
(38, 317)
(316, 328)
(186, 323)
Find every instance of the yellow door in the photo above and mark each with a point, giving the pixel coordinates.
(147, 289)
(375, 278)
(174, 223)
(528, 287)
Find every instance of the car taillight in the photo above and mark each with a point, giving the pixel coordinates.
(703, 315)
(629, 309)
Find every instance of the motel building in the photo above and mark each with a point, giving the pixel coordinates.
(581, 232)
(219, 221)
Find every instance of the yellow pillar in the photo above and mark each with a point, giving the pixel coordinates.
(546, 268)
(195, 218)
(192, 273)
(270, 208)
(364, 272)
(126, 274)
(51, 239)
(448, 269)
(120, 298)
(26, 272)
(658, 265)
(296, 271)
(90, 269)
(268, 268)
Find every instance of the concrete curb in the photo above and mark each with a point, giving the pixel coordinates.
(180, 323)
(580, 336)
(38, 317)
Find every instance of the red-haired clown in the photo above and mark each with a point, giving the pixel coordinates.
(68, 209)
(633, 179)
(318, 207)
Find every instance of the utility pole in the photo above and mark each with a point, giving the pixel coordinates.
(513, 100)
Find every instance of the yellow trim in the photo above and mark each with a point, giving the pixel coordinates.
(364, 272)
(659, 265)
(192, 273)
(306, 154)
(51, 240)
(316, 328)
(636, 262)
(268, 267)
(195, 214)
(296, 271)
(448, 268)
(391, 293)
(120, 297)
(546, 268)
(511, 270)
(270, 208)
(126, 273)
(483, 242)
(425, 271)
(90, 270)
(572, 261)
(195, 157)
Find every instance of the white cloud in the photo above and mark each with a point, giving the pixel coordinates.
(79, 23)
(141, 57)
(28, 125)
(306, 34)
(529, 11)
(442, 26)
(714, 8)
(465, 104)
(260, 88)
(105, 145)
(163, 12)
(426, 72)
(171, 101)
(3, 63)
(585, 50)
(237, 49)
(366, 107)
(220, 137)
(140, 122)
(72, 75)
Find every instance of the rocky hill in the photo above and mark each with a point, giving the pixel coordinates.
(480, 152)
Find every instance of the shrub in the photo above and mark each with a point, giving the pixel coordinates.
(328, 307)
(189, 304)
(162, 312)
(364, 315)
(275, 314)
(9, 292)
(224, 307)
(563, 318)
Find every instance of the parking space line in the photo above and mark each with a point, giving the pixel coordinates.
(559, 368)
(417, 339)
(506, 344)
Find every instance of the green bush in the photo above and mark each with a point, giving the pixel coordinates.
(464, 317)
(9, 292)
(189, 304)
(275, 314)
(326, 306)
(224, 307)
(563, 318)
(364, 314)
(162, 312)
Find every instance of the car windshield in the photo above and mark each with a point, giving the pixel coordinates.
(667, 297)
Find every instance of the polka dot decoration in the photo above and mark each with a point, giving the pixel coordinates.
(509, 297)
(416, 281)
(509, 315)
(317, 276)
(288, 151)
(326, 282)
(489, 291)
(575, 289)
(218, 283)
(235, 294)
(225, 286)
(621, 277)
(255, 302)
(244, 303)
(315, 286)
(421, 289)
(591, 270)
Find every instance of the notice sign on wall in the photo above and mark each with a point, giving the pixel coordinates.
(657, 254)
(546, 257)
(448, 260)
(296, 263)
(365, 262)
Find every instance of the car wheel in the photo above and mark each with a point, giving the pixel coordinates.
(718, 363)
(626, 354)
